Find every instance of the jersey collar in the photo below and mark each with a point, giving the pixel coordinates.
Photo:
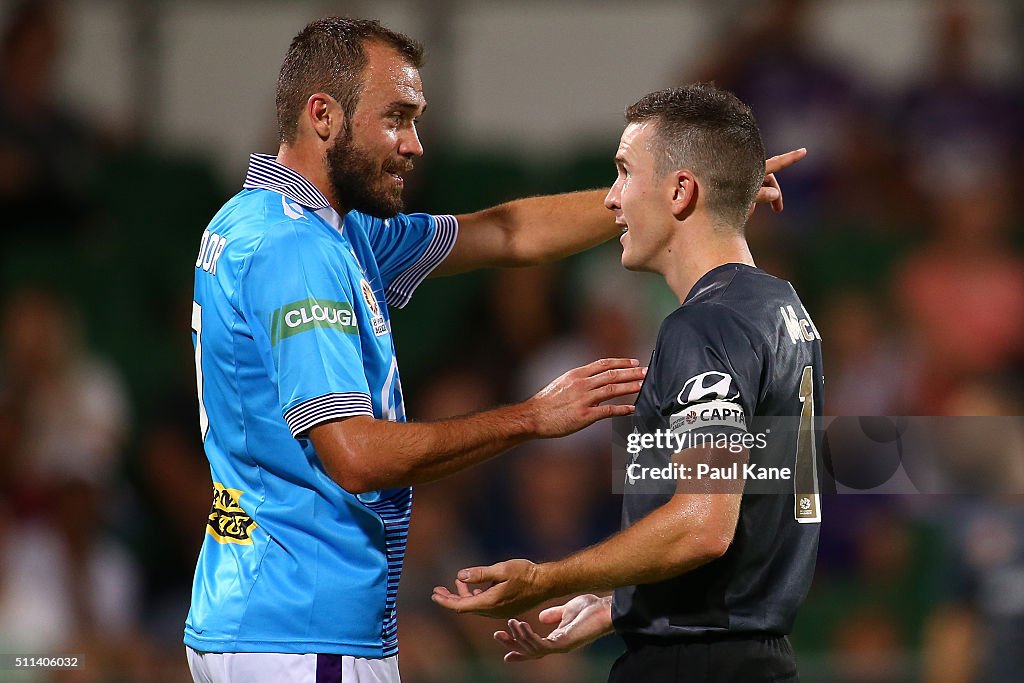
(265, 173)
(714, 277)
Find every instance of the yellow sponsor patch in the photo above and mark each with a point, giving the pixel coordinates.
(228, 522)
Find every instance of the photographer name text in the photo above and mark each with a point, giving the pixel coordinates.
(704, 471)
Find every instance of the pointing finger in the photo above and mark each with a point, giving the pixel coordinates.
(781, 161)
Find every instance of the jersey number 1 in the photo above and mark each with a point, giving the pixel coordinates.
(807, 503)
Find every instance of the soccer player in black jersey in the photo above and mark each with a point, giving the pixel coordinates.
(706, 580)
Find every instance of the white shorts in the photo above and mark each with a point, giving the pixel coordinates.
(264, 667)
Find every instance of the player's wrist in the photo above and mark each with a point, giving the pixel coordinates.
(525, 419)
(548, 581)
(606, 612)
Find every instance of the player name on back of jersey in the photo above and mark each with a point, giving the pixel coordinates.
(210, 249)
(800, 329)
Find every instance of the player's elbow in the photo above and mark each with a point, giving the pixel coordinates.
(685, 555)
(351, 477)
(353, 483)
(714, 546)
(716, 536)
(340, 448)
(501, 237)
(521, 248)
(523, 253)
(701, 549)
(528, 247)
(346, 471)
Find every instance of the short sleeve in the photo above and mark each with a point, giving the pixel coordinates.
(298, 300)
(709, 369)
(407, 247)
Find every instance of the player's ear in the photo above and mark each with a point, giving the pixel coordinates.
(684, 193)
(324, 114)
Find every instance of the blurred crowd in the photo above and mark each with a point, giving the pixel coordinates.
(899, 233)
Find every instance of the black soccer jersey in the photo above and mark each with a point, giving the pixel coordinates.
(741, 341)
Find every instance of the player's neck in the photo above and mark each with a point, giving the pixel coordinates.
(312, 169)
(703, 255)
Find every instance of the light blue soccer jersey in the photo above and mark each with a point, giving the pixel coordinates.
(290, 326)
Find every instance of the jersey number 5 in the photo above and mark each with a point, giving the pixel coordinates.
(197, 329)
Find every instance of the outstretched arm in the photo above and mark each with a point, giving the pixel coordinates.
(364, 454)
(688, 531)
(529, 232)
(536, 230)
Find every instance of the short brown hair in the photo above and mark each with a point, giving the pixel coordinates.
(329, 55)
(711, 132)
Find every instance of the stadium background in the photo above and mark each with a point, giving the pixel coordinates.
(124, 125)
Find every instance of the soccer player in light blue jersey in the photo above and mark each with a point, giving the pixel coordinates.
(301, 406)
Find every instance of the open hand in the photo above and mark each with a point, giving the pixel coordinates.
(580, 621)
(510, 588)
(576, 399)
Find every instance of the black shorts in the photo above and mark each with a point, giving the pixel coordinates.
(746, 660)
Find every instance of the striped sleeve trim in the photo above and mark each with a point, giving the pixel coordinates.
(308, 414)
(402, 287)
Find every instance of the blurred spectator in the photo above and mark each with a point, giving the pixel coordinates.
(981, 443)
(975, 634)
(47, 153)
(611, 313)
(955, 127)
(962, 295)
(524, 309)
(800, 97)
(868, 649)
(65, 585)
(67, 588)
(70, 408)
(873, 220)
(870, 617)
(866, 366)
(555, 490)
(975, 630)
